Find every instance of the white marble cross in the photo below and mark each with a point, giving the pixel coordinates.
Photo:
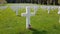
(48, 8)
(35, 9)
(27, 14)
(59, 13)
(15, 8)
(59, 10)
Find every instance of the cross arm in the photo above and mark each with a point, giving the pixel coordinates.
(23, 14)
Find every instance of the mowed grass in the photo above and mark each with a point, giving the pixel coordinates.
(42, 22)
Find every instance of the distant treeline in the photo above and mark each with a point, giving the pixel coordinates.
(35, 1)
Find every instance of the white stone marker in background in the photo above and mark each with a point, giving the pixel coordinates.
(48, 8)
(35, 9)
(59, 13)
(27, 14)
(15, 8)
(59, 10)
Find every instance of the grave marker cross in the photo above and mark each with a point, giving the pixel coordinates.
(28, 14)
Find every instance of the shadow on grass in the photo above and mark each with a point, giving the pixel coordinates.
(34, 31)
(19, 15)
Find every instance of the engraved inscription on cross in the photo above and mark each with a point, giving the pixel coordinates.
(28, 14)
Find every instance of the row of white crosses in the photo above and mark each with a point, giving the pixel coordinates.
(16, 8)
(28, 14)
(49, 8)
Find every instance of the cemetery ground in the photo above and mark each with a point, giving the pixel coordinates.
(42, 22)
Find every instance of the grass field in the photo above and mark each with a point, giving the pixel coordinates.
(42, 22)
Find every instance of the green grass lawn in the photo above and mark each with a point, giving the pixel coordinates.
(42, 22)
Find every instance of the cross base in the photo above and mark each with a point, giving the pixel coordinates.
(29, 26)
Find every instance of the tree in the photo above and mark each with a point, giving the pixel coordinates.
(2, 2)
